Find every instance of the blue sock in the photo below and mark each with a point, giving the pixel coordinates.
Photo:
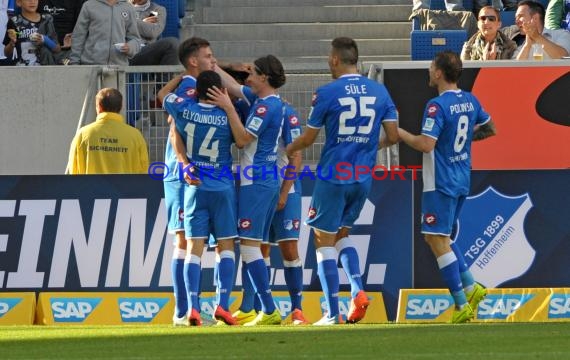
(226, 278)
(466, 276)
(449, 270)
(177, 267)
(349, 259)
(192, 280)
(328, 276)
(257, 300)
(257, 271)
(294, 280)
(248, 293)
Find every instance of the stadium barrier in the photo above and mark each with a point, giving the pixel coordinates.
(500, 305)
(17, 308)
(115, 308)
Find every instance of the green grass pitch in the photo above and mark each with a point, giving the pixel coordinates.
(386, 341)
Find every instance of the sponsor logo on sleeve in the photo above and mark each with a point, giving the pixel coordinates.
(171, 98)
(295, 133)
(261, 110)
(428, 124)
(255, 123)
(293, 120)
(432, 110)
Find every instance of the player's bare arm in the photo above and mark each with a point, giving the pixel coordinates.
(305, 140)
(484, 131)
(421, 143)
(390, 136)
(169, 87)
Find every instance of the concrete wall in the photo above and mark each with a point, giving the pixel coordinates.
(40, 108)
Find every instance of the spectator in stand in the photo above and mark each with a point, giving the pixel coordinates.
(3, 28)
(34, 40)
(558, 15)
(450, 5)
(65, 14)
(530, 33)
(509, 5)
(489, 43)
(108, 145)
(151, 20)
(106, 33)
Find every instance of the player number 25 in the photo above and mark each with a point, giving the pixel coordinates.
(351, 113)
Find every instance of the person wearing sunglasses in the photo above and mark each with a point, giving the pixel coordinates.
(489, 43)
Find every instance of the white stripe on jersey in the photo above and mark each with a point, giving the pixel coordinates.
(247, 160)
(428, 169)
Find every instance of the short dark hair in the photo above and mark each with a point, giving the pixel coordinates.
(110, 100)
(346, 49)
(190, 47)
(206, 80)
(450, 64)
(535, 8)
(271, 66)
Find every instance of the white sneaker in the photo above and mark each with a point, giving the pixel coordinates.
(182, 321)
(326, 321)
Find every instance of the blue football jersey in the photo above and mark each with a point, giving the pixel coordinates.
(352, 109)
(206, 132)
(186, 89)
(264, 122)
(291, 130)
(450, 119)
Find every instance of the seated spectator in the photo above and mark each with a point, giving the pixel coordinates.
(489, 43)
(529, 30)
(34, 40)
(557, 15)
(106, 33)
(151, 20)
(108, 145)
(450, 5)
(3, 28)
(65, 14)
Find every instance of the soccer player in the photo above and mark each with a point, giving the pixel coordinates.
(259, 186)
(196, 56)
(285, 227)
(210, 206)
(450, 122)
(351, 108)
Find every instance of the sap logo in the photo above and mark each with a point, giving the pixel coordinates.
(208, 304)
(343, 305)
(283, 304)
(72, 309)
(501, 306)
(559, 306)
(7, 304)
(140, 309)
(427, 307)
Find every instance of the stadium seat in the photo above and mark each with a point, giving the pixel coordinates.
(507, 18)
(172, 21)
(427, 43)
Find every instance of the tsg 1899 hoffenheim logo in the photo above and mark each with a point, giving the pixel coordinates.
(492, 238)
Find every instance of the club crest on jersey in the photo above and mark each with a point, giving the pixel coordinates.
(432, 110)
(255, 123)
(293, 120)
(430, 219)
(244, 224)
(261, 110)
(312, 213)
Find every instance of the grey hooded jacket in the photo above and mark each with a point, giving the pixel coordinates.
(98, 28)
